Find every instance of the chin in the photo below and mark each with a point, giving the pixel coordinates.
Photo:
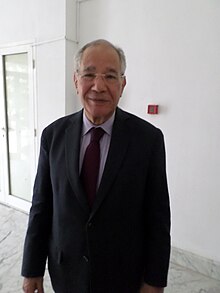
(99, 117)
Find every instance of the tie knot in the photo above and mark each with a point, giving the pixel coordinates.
(97, 133)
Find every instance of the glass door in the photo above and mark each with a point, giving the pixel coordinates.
(17, 137)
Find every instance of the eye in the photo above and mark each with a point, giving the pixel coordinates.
(88, 76)
(110, 76)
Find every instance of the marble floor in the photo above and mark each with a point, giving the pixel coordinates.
(12, 229)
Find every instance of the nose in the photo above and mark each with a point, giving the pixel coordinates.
(99, 84)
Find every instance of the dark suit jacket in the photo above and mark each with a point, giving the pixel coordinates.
(125, 239)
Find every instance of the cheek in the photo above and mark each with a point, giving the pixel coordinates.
(117, 93)
(82, 90)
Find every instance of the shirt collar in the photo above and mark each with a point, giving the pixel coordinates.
(107, 125)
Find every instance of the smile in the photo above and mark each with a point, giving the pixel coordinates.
(99, 101)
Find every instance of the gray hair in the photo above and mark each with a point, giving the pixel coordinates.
(120, 52)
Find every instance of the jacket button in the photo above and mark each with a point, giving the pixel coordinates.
(86, 258)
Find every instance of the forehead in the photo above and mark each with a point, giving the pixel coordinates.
(100, 57)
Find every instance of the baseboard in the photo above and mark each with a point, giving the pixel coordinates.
(196, 263)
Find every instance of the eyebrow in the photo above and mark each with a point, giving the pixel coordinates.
(93, 69)
(89, 68)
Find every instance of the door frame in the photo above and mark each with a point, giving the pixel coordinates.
(5, 196)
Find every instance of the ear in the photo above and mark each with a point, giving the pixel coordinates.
(75, 80)
(123, 85)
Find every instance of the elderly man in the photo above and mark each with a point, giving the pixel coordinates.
(100, 212)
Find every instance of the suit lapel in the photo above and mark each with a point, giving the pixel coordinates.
(117, 150)
(72, 149)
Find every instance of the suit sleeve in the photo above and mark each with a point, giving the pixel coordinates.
(157, 218)
(39, 225)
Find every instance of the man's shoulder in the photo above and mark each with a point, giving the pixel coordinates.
(57, 129)
(64, 122)
(136, 122)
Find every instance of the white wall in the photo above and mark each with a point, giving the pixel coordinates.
(172, 50)
(72, 104)
(42, 24)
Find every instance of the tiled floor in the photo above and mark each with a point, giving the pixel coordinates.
(12, 229)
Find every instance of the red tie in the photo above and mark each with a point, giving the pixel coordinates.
(90, 166)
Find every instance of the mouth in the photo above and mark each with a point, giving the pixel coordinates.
(98, 100)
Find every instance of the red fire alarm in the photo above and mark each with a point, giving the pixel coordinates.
(152, 109)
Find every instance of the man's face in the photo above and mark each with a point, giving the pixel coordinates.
(99, 82)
